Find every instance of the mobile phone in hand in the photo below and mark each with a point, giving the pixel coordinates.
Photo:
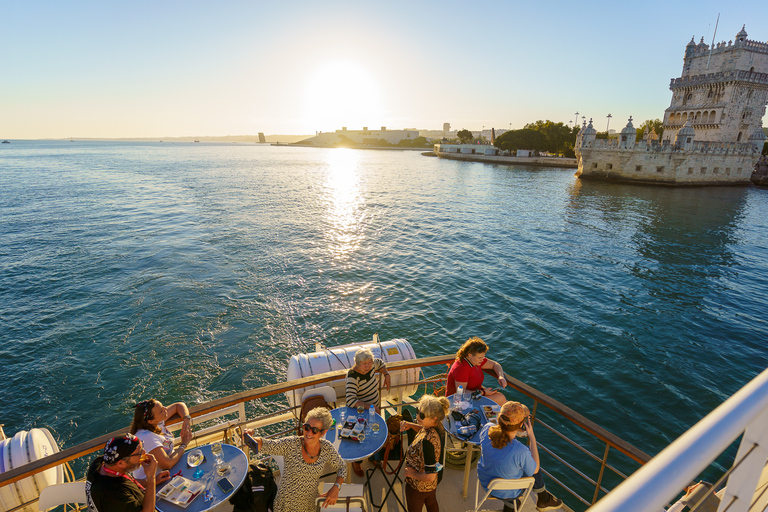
(251, 443)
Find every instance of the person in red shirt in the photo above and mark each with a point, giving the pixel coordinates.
(467, 371)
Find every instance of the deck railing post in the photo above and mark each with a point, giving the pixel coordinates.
(602, 471)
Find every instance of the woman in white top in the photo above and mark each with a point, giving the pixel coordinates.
(148, 425)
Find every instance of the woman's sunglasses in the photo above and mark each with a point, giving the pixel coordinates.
(312, 429)
(422, 416)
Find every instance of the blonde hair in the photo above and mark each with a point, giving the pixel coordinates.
(473, 345)
(434, 407)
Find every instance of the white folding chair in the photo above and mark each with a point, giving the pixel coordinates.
(61, 494)
(505, 484)
(349, 494)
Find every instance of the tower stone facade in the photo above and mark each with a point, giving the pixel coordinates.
(712, 129)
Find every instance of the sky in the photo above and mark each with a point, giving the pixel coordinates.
(182, 68)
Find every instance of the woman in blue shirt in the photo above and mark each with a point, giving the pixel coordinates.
(503, 456)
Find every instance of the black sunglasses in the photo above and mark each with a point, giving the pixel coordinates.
(312, 429)
(422, 416)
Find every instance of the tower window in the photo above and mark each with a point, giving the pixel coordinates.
(690, 170)
(660, 168)
(703, 171)
(638, 168)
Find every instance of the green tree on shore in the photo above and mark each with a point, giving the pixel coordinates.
(561, 137)
(464, 136)
(522, 139)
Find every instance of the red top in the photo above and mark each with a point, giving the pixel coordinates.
(464, 371)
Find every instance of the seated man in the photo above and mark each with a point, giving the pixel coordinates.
(503, 456)
(110, 487)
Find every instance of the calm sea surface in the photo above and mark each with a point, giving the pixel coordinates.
(192, 271)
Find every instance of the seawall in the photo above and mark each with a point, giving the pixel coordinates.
(537, 161)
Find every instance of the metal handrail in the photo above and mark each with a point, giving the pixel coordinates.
(209, 410)
(659, 481)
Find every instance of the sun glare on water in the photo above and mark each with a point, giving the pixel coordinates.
(343, 94)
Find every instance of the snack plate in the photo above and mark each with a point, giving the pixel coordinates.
(351, 433)
(181, 491)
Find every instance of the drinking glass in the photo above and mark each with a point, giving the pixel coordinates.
(360, 411)
(361, 437)
(223, 468)
(375, 428)
(217, 453)
(195, 458)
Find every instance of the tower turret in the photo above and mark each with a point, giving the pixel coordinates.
(741, 37)
(628, 136)
(757, 138)
(685, 136)
(590, 134)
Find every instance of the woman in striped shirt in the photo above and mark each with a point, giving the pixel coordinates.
(362, 388)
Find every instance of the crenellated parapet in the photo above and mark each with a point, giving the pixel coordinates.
(754, 46)
(752, 77)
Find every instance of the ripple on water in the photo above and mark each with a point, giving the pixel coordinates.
(191, 272)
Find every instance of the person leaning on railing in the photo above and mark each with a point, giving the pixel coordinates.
(421, 470)
(503, 456)
(305, 457)
(362, 387)
(148, 424)
(109, 486)
(467, 370)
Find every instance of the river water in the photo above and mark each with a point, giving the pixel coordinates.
(192, 271)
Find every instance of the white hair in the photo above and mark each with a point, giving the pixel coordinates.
(364, 354)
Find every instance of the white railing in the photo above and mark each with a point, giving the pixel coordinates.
(659, 481)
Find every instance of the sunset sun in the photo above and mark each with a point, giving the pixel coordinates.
(342, 94)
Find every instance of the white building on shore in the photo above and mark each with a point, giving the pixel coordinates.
(713, 131)
(360, 137)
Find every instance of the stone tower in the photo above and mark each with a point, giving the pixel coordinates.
(722, 90)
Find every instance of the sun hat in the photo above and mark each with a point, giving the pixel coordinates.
(514, 412)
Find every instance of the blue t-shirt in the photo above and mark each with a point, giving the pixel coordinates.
(512, 461)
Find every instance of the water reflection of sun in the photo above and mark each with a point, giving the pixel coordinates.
(344, 203)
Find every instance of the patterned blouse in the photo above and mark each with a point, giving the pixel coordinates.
(421, 454)
(299, 481)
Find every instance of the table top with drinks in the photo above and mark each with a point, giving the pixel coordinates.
(203, 478)
(469, 413)
(357, 433)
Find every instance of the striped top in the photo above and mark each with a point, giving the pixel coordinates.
(364, 387)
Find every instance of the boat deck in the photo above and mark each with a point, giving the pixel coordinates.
(448, 493)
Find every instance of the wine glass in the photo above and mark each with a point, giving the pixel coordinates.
(375, 428)
(194, 459)
(360, 411)
(361, 437)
